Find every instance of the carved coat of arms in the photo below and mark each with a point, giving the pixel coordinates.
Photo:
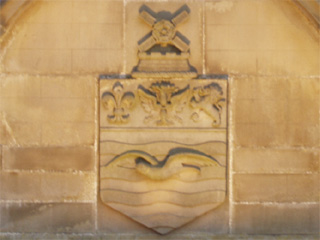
(163, 134)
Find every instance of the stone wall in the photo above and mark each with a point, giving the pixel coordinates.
(51, 57)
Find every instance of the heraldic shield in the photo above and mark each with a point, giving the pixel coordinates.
(163, 149)
(163, 132)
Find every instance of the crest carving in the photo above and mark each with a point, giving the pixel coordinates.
(164, 52)
(163, 134)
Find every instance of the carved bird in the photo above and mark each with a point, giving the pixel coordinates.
(162, 101)
(177, 161)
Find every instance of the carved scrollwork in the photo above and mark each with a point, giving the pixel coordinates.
(163, 101)
(117, 103)
(208, 99)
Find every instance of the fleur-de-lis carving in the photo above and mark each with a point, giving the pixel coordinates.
(117, 103)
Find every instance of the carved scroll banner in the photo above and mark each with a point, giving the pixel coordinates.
(163, 149)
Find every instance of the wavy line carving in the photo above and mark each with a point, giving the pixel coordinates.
(163, 194)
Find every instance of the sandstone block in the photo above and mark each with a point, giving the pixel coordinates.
(23, 109)
(266, 88)
(307, 89)
(19, 86)
(243, 37)
(260, 111)
(231, 12)
(276, 219)
(66, 133)
(0, 157)
(248, 160)
(21, 133)
(97, 36)
(49, 158)
(280, 134)
(37, 61)
(288, 62)
(51, 12)
(95, 11)
(47, 217)
(231, 61)
(276, 187)
(97, 60)
(68, 110)
(273, 37)
(259, 134)
(47, 186)
(68, 87)
(45, 36)
(217, 37)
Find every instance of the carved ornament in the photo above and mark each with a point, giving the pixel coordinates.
(164, 52)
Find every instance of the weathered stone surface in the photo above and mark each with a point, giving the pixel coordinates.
(99, 60)
(32, 106)
(49, 158)
(20, 133)
(230, 12)
(276, 187)
(250, 160)
(216, 222)
(267, 135)
(47, 217)
(242, 37)
(276, 219)
(95, 11)
(19, 86)
(47, 186)
(0, 157)
(52, 43)
(66, 133)
(67, 110)
(68, 87)
(35, 61)
(276, 111)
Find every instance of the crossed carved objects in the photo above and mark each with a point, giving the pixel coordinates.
(164, 30)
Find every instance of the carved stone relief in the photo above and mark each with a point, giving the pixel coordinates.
(163, 134)
(190, 103)
(163, 149)
(164, 52)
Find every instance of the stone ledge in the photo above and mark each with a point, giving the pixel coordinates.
(198, 236)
